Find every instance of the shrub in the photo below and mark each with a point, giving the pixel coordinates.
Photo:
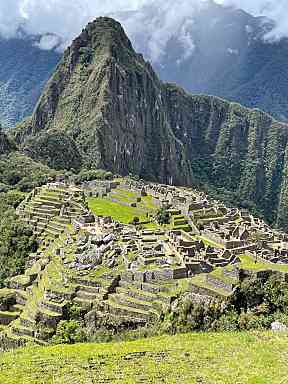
(69, 332)
(227, 322)
(75, 312)
(162, 216)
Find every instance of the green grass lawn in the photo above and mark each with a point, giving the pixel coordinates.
(247, 262)
(119, 212)
(223, 358)
(124, 195)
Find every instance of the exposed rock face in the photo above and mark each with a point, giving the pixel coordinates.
(108, 107)
(108, 100)
(5, 145)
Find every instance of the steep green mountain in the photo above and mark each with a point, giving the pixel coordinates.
(24, 70)
(105, 107)
(213, 49)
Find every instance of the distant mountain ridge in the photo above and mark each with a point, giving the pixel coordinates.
(219, 51)
(24, 70)
(104, 107)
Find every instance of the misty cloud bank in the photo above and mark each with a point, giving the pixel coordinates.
(66, 18)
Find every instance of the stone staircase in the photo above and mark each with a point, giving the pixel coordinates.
(140, 302)
(91, 292)
(41, 209)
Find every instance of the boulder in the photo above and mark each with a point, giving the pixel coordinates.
(279, 327)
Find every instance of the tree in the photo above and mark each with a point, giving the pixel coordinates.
(162, 216)
(135, 220)
(16, 239)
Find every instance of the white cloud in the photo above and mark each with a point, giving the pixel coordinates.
(276, 10)
(66, 18)
(49, 41)
(159, 22)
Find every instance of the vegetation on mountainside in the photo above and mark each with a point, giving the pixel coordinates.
(172, 136)
(20, 172)
(24, 70)
(16, 239)
(256, 304)
(55, 149)
(218, 358)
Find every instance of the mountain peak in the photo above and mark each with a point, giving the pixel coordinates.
(104, 35)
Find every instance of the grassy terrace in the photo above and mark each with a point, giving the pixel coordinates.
(200, 281)
(224, 358)
(119, 212)
(247, 262)
(117, 205)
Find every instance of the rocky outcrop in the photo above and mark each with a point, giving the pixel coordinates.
(106, 108)
(5, 144)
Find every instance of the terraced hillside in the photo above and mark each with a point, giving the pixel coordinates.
(122, 271)
(227, 358)
(75, 266)
(27, 302)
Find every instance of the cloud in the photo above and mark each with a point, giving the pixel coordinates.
(66, 18)
(158, 22)
(275, 10)
(10, 17)
(49, 41)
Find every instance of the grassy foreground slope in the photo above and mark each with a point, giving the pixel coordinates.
(259, 358)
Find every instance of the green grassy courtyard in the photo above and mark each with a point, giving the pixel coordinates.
(118, 205)
(119, 212)
(223, 358)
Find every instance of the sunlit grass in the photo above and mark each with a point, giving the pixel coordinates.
(214, 358)
(247, 262)
(119, 212)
